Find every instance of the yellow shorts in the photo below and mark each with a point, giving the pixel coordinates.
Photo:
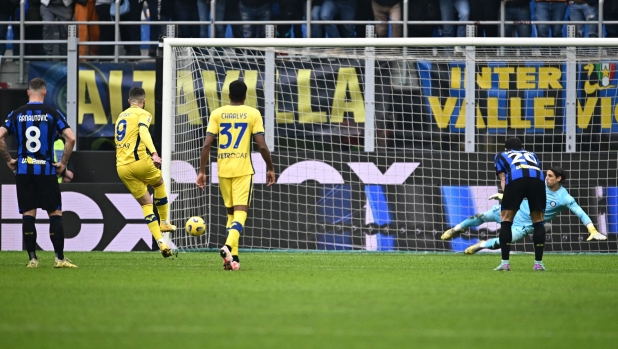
(236, 191)
(137, 175)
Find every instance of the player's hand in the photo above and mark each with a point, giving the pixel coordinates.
(496, 196)
(594, 234)
(60, 168)
(68, 176)
(201, 180)
(156, 160)
(12, 164)
(270, 178)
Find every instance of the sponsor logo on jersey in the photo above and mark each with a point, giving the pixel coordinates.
(24, 118)
(232, 156)
(518, 167)
(123, 145)
(31, 161)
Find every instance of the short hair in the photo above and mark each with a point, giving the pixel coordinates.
(238, 91)
(513, 143)
(37, 84)
(137, 94)
(559, 172)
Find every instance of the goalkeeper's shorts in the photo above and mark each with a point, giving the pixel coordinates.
(137, 175)
(236, 191)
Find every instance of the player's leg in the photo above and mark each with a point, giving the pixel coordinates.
(225, 186)
(242, 191)
(492, 215)
(27, 202)
(513, 196)
(50, 200)
(537, 200)
(129, 176)
(163, 207)
(518, 233)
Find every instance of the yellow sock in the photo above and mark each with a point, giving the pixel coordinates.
(230, 219)
(160, 199)
(235, 230)
(151, 220)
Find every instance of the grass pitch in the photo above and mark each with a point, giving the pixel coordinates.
(308, 300)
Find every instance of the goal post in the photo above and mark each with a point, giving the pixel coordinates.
(383, 144)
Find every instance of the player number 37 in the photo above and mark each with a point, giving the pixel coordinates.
(225, 131)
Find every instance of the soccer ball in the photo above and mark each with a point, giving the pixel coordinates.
(195, 226)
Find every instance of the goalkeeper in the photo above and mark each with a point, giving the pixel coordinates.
(558, 198)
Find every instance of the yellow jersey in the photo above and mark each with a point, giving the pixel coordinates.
(129, 146)
(235, 125)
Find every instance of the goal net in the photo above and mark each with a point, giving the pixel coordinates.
(385, 144)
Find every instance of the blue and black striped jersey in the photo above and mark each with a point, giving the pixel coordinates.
(36, 127)
(518, 164)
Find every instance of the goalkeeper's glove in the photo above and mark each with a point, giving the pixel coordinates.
(594, 234)
(496, 196)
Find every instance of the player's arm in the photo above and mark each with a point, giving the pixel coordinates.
(502, 176)
(12, 163)
(263, 148)
(69, 143)
(145, 137)
(579, 212)
(204, 158)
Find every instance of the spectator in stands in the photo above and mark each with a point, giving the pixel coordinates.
(585, 10)
(482, 10)
(254, 10)
(550, 11)
(423, 10)
(187, 10)
(32, 31)
(447, 9)
(382, 10)
(232, 13)
(291, 10)
(131, 32)
(364, 12)
(317, 31)
(518, 10)
(6, 12)
(154, 30)
(203, 7)
(85, 11)
(56, 10)
(106, 31)
(610, 13)
(346, 9)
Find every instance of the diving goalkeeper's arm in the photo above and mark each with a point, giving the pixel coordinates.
(579, 212)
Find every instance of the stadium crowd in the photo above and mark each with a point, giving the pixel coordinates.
(522, 11)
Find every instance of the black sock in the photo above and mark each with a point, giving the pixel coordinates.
(28, 230)
(56, 233)
(538, 237)
(505, 239)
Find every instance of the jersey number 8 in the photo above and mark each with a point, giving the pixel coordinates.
(33, 139)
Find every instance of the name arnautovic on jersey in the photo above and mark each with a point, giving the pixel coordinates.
(232, 156)
(233, 116)
(26, 118)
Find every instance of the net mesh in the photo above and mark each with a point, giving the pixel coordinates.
(409, 110)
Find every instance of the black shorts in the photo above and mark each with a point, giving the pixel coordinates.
(532, 189)
(36, 191)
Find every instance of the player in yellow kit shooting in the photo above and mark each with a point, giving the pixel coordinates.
(138, 163)
(235, 124)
